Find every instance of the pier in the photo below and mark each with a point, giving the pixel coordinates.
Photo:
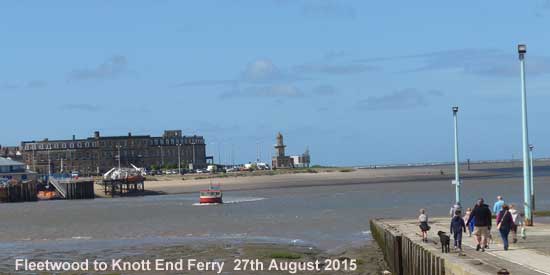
(123, 187)
(406, 254)
(72, 188)
(18, 192)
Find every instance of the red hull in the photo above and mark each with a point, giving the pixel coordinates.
(210, 200)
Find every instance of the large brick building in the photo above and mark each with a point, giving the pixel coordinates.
(98, 154)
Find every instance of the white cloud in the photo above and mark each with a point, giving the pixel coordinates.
(110, 69)
(401, 99)
(265, 91)
(261, 70)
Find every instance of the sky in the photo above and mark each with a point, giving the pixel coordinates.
(356, 82)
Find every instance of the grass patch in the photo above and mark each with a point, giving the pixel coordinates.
(345, 170)
(322, 166)
(285, 255)
(542, 213)
(299, 171)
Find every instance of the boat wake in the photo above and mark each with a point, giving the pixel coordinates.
(230, 201)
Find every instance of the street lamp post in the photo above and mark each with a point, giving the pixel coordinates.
(212, 151)
(179, 158)
(258, 152)
(232, 154)
(33, 160)
(118, 148)
(522, 49)
(457, 168)
(161, 157)
(49, 162)
(531, 147)
(219, 154)
(193, 143)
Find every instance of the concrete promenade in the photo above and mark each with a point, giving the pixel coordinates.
(530, 256)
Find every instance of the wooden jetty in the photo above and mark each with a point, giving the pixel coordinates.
(74, 189)
(123, 187)
(18, 192)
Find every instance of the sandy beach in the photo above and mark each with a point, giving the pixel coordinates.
(174, 184)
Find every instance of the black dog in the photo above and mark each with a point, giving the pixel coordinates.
(445, 241)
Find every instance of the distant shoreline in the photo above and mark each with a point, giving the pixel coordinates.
(320, 177)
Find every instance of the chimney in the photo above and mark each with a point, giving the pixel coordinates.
(74, 137)
(96, 134)
(129, 134)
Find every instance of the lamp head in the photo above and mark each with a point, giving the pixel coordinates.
(455, 109)
(522, 48)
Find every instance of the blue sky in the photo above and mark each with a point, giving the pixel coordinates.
(359, 82)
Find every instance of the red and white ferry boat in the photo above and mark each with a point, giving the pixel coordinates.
(211, 195)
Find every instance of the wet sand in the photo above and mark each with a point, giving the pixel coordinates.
(176, 184)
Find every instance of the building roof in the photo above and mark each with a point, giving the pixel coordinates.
(107, 138)
(9, 162)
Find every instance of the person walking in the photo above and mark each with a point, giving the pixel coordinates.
(469, 226)
(522, 226)
(497, 207)
(454, 208)
(423, 224)
(504, 224)
(457, 226)
(515, 219)
(482, 217)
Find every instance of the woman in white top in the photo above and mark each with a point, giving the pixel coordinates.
(516, 221)
(423, 224)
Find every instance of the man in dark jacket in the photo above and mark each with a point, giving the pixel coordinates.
(482, 223)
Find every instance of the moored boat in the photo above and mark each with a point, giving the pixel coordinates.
(47, 195)
(211, 195)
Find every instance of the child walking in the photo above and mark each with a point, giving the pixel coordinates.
(423, 224)
(457, 227)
